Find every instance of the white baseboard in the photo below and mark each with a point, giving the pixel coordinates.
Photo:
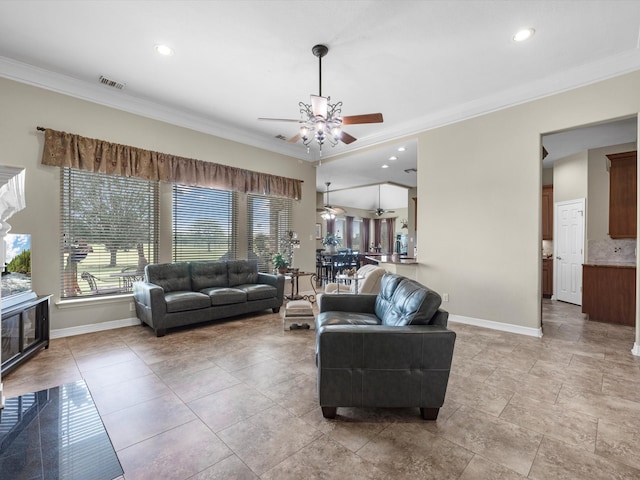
(505, 327)
(636, 349)
(94, 327)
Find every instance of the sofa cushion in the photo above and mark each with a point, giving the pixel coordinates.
(258, 291)
(170, 276)
(225, 296)
(346, 318)
(208, 274)
(242, 272)
(179, 301)
(406, 302)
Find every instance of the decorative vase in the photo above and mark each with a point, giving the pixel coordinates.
(332, 249)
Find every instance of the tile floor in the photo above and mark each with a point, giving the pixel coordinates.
(237, 399)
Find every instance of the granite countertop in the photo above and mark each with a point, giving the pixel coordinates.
(610, 263)
(393, 259)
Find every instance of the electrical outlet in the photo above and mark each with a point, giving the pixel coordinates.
(132, 307)
(445, 297)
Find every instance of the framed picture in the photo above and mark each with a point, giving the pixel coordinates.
(318, 231)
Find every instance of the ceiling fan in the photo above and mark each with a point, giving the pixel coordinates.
(380, 211)
(322, 120)
(329, 212)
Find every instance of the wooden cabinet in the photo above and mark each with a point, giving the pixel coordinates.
(622, 195)
(547, 277)
(609, 293)
(25, 330)
(547, 212)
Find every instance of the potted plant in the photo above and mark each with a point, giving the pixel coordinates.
(331, 241)
(280, 263)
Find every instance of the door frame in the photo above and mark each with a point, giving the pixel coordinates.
(556, 218)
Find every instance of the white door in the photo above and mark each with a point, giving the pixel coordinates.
(569, 250)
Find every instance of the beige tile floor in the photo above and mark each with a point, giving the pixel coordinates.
(237, 400)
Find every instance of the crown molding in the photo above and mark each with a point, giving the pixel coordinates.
(103, 95)
(576, 77)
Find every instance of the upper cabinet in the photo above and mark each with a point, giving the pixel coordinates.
(623, 195)
(547, 212)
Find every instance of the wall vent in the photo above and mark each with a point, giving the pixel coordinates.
(411, 170)
(111, 83)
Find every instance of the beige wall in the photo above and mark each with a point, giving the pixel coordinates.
(25, 107)
(479, 184)
(570, 178)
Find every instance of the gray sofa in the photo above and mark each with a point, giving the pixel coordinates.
(387, 350)
(184, 293)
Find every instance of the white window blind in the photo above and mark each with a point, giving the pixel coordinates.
(109, 232)
(268, 225)
(203, 224)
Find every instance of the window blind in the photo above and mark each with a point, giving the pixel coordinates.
(268, 226)
(109, 232)
(203, 226)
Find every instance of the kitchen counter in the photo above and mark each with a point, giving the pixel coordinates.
(610, 264)
(609, 292)
(394, 259)
(405, 266)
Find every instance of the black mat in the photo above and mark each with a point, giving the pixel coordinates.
(55, 434)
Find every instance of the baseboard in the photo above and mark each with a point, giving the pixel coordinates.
(636, 349)
(505, 327)
(94, 327)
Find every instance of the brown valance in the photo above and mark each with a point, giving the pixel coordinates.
(63, 149)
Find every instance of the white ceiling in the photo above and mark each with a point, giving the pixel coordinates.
(562, 144)
(422, 64)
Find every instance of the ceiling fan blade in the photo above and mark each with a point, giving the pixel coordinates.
(280, 120)
(294, 139)
(319, 105)
(368, 118)
(346, 138)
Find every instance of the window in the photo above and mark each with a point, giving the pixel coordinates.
(109, 232)
(268, 225)
(356, 241)
(340, 229)
(203, 227)
(211, 224)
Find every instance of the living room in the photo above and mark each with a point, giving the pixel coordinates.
(479, 182)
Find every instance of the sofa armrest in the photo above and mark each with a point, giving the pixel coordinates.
(273, 280)
(150, 295)
(332, 302)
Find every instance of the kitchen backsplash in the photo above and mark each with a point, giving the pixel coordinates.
(622, 250)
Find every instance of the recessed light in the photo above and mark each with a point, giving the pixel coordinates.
(401, 149)
(164, 50)
(385, 166)
(393, 158)
(524, 34)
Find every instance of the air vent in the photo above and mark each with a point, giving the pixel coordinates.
(411, 170)
(111, 83)
(281, 137)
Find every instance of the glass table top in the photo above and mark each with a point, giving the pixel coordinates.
(55, 434)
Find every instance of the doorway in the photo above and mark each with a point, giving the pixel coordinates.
(569, 219)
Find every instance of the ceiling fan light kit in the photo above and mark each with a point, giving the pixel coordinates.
(329, 212)
(322, 120)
